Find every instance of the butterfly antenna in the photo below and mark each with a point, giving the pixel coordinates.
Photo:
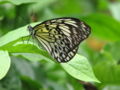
(29, 39)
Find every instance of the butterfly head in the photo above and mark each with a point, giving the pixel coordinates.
(31, 30)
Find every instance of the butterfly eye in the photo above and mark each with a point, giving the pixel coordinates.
(30, 28)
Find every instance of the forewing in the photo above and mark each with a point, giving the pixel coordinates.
(62, 36)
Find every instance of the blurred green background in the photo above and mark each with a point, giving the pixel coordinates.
(102, 48)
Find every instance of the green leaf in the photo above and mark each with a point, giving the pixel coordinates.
(27, 48)
(10, 43)
(114, 50)
(80, 69)
(11, 81)
(4, 63)
(104, 27)
(13, 35)
(109, 61)
(31, 84)
(111, 87)
(41, 5)
(32, 56)
(28, 70)
(107, 72)
(28, 73)
(18, 2)
(72, 8)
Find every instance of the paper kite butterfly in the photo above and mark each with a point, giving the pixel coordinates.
(60, 36)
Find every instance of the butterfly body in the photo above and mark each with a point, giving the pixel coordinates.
(61, 36)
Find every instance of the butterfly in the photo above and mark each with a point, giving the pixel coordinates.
(61, 36)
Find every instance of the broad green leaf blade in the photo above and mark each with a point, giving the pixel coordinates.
(28, 48)
(14, 35)
(109, 59)
(113, 49)
(80, 68)
(12, 80)
(4, 63)
(32, 56)
(18, 2)
(8, 42)
(107, 72)
(104, 27)
(41, 5)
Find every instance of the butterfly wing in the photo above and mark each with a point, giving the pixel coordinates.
(62, 36)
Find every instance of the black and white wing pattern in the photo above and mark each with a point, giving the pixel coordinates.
(61, 36)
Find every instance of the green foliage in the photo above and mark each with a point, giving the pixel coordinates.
(5, 63)
(26, 66)
(103, 25)
(13, 45)
(11, 81)
(18, 2)
(111, 64)
(79, 68)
